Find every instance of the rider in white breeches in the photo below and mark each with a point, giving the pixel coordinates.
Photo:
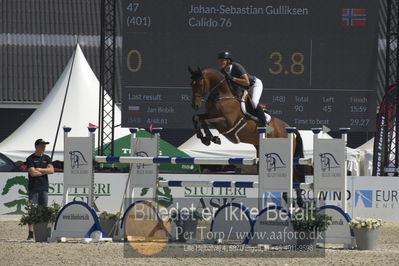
(237, 74)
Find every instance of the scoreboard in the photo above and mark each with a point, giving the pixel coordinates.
(317, 59)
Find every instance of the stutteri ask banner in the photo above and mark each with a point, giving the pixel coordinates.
(108, 192)
(368, 196)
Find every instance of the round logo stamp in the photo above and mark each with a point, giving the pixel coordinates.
(147, 230)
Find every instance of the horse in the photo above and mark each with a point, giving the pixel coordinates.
(223, 112)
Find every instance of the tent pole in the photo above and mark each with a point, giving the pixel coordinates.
(63, 103)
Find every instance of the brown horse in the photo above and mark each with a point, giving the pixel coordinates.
(223, 112)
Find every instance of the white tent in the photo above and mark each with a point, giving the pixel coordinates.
(367, 146)
(81, 108)
(366, 157)
(195, 148)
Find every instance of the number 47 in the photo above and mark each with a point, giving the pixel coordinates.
(132, 7)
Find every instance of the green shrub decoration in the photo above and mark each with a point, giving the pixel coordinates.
(309, 219)
(39, 214)
(110, 216)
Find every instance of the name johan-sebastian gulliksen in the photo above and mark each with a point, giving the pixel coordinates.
(248, 10)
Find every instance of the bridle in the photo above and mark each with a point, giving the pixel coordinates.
(205, 97)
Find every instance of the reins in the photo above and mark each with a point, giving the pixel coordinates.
(213, 88)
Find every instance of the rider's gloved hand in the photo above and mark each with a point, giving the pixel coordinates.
(227, 76)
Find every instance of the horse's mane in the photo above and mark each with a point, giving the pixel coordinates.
(199, 73)
(214, 71)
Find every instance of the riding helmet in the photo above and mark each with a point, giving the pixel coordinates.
(225, 55)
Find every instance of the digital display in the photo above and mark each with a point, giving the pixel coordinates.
(317, 59)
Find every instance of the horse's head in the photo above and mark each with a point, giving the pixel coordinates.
(199, 87)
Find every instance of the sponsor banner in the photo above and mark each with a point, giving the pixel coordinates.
(78, 162)
(329, 164)
(375, 197)
(108, 192)
(76, 219)
(368, 196)
(276, 160)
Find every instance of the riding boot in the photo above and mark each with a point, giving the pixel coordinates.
(261, 116)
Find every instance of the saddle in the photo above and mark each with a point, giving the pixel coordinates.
(249, 113)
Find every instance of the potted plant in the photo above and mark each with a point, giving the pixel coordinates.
(307, 223)
(109, 222)
(366, 232)
(42, 217)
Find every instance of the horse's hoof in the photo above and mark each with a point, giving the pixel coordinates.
(205, 141)
(216, 140)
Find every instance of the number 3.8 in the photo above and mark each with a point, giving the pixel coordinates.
(296, 67)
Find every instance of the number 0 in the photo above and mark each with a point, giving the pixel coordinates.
(139, 60)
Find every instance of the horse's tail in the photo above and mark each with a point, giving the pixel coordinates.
(299, 171)
(298, 153)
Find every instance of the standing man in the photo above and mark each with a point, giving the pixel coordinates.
(39, 166)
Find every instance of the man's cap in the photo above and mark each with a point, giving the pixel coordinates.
(40, 141)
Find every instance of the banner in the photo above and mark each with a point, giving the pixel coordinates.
(367, 196)
(384, 142)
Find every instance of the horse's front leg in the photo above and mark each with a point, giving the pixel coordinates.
(198, 125)
(208, 134)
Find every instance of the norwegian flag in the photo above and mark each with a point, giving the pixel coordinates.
(353, 17)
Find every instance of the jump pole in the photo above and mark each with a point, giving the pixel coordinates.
(272, 176)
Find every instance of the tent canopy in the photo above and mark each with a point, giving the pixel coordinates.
(367, 146)
(81, 108)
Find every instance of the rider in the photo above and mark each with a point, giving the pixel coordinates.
(240, 78)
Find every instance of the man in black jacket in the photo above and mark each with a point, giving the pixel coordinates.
(39, 166)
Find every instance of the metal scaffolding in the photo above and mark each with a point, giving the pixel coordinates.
(107, 78)
(386, 144)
